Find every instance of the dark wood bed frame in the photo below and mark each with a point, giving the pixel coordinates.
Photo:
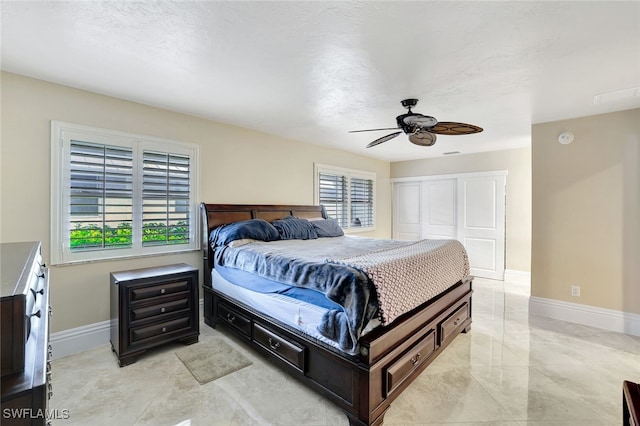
(390, 358)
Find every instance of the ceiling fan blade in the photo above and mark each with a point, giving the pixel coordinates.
(453, 128)
(372, 130)
(423, 138)
(383, 139)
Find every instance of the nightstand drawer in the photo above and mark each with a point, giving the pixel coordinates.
(142, 293)
(279, 346)
(142, 333)
(160, 309)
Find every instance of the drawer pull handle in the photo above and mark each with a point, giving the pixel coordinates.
(415, 359)
(163, 291)
(163, 310)
(457, 321)
(231, 318)
(273, 344)
(164, 329)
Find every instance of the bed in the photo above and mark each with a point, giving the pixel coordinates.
(365, 364)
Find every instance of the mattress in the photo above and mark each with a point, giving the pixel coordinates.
(295, 313)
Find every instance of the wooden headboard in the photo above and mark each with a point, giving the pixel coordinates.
(214, 215)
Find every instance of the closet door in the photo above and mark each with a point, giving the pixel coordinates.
(440, 209)
(481, 229)
(407, 211)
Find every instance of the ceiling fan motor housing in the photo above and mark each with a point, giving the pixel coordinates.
(409, 103)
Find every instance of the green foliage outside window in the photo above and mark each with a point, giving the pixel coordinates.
(93, 236)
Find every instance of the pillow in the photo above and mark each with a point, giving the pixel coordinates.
(291, 228)
(327, 228)
(255, 229)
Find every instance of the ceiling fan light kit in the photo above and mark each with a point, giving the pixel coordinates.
(422, 129)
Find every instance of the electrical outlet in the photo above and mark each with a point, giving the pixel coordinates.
(575, 290)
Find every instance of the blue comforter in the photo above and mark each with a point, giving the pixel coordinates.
(303, 263)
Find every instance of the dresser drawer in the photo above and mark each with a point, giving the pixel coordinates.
(160, 309)
(453, 322)
(410, 361)
(279, 346)
(139, 334)
(147, 292)
(234, 319)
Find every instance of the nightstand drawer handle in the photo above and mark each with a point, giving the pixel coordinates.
(163, 310)
(231, 318)
(273, 344)
(163, 291)
(164, 329)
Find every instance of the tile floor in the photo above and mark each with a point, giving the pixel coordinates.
(511, 369)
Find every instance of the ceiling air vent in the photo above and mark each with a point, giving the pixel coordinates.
(616, 96)
(451, 153)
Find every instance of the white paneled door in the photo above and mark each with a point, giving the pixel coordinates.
(482, 223)
(407, 211)
(468, 207)
(440, 206)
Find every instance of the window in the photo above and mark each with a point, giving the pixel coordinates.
(116, 195)
(347, 195)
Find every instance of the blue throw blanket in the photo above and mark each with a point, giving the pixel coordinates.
(344, 285)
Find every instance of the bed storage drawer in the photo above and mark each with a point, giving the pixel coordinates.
(412, 359)
(233, 318)
(448, 327)
(279, 346)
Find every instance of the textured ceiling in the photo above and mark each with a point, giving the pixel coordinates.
(312, 71)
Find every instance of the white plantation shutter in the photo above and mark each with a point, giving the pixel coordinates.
(361, 202)
(347, 195)
(100, 196)
(333, 196)
(165, 198)
(118, 195)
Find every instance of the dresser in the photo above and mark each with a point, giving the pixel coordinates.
(24, 335)
(153, 306)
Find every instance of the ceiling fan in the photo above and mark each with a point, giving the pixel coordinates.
(422, 129)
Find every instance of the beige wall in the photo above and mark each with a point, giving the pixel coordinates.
(236, 166)
(518, 204)
(586, 211)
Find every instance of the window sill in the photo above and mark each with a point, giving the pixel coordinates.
(122, 258)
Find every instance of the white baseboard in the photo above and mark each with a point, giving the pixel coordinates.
(606, 319)
(517, 277)
(74, 340)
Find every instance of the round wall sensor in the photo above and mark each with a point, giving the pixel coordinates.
(565, 138)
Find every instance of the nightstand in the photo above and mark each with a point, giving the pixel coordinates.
(153, 306)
